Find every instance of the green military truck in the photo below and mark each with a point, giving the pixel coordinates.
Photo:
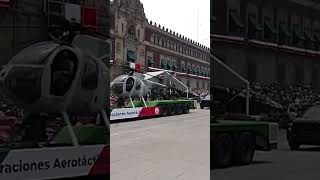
(235, 142)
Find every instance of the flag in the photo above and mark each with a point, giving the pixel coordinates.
(134, 66)
(4, 3)
(89, 17)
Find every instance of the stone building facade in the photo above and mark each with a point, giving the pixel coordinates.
(266, 41)
(135, 38)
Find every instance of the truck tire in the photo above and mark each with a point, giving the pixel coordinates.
(245, 148)
(164, 110)
(175, 109)
(187, 108)
(170, 110)
(222, 151)
(184, 108)
(292, 142)
(293, 145)
(179, 109)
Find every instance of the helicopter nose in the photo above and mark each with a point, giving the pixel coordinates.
(21, 83)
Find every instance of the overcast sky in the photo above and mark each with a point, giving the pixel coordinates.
(181, 16)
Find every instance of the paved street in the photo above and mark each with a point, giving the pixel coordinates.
(168, 148)
(281, 164)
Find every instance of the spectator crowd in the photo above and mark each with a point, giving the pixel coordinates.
(294, 98)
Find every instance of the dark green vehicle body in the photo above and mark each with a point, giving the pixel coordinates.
(234, 142)
(191, 103)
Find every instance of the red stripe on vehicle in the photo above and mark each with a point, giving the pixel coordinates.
(149, 111)
(102, 165)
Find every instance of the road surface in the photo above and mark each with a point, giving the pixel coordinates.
(280, 164)
(168, 148)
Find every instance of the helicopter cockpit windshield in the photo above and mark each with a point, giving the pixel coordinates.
(118, 84)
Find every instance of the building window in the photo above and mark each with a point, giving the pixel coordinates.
(122, 27)
(298, 37)
(317, 39)
(183, 67)
(310, 40)
(253, 27)
(150, 61)
(270, 31)
(175, 66)
(163, 63)
(235, 23)
(131, 56)
(284, 33)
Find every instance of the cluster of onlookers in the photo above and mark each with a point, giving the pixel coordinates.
(10, 120)
(199, 92)
(293, 98)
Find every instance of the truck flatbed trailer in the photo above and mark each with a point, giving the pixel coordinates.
(59, 158)
(139, 109)
(235, 142)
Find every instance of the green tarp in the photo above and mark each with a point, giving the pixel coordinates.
(284, 30)
(270, 26)
(163, 63)
(131, 55)
(150, 61)
(298, 34)
(183, 68)
(236, 19)
(256, 26)
(308, 35)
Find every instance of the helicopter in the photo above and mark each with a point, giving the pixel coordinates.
(133, 85)
(63, 76)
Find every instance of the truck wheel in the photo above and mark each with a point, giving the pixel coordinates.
(164, 110)
(179, 109)
(293, 145)
(174, 109)
(187, 108)
(169, 108)
(244, 151)
(183, 108)
(222, 151)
